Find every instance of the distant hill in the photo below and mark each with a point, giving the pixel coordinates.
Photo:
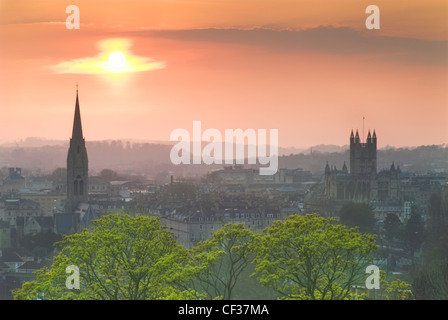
(417, 160)
(152, 158)
(321, 148)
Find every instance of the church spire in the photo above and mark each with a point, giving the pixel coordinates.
(77, 126)
(77, 165)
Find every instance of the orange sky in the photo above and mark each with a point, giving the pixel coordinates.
(307, 68)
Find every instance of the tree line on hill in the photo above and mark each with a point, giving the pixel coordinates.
(153, 158)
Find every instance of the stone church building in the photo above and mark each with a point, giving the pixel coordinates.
(78, 213)
(362, 183)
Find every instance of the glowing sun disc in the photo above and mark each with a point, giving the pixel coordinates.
(117, 60)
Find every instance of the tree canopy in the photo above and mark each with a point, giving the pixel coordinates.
(310, 257)
(226, 255)
(119, 258)
(359, 215)
(133, 258)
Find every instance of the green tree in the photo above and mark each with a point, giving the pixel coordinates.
(109, 174)
(180, 189)
(437, 227)
(41, 243)
(227, 254)
(399, 290)
(58, 175)
(391, 226)
(360, 215)
(414, 232)
(120, 257)
(430, 281)
(396, 289)
(310, 257)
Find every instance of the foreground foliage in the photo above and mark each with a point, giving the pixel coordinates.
(310, 257)
(119, 258)
(124, 257)
(223, 259)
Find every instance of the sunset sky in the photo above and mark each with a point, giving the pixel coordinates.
(308, 68)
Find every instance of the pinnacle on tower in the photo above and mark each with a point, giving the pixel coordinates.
(344, 168)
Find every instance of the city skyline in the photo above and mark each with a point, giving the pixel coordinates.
(311, 72)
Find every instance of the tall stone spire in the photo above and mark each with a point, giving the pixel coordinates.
(77, 126)
(77, 164)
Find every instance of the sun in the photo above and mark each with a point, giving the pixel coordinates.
(117, 61)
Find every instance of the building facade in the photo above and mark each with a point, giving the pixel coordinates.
(13, 182)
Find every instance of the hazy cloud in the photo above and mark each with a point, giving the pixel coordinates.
(332, 40)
